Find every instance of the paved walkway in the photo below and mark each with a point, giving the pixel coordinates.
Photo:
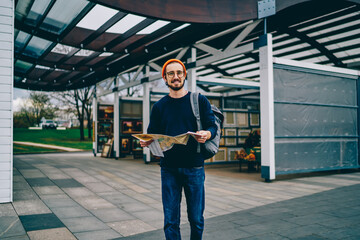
(77, 196)
(67, 149)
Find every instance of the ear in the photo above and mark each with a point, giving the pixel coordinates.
(165, 81)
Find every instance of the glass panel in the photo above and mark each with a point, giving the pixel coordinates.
(153, 27)
(22, 8)
(304, 129)
(36, 47)
(125, 24)
(182, 27)
(22, 66)
(36, 12)
(296, 86)
(105, 54)
(97, 17)
(62, 49)
(58, 19)
(315, 155)
(17, 79)
(20, 40)
(84, 53)
(306, 120)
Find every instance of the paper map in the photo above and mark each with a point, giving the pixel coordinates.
(163, 143)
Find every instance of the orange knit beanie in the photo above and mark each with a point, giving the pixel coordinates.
(170, 61)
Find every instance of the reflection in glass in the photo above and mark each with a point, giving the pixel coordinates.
(58, 19)
(20, 40)
(22, 66)
(36, 47)
(36, 12)
(22, 8)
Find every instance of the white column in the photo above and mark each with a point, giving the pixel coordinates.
(6, 95)
(116, 122)
(191, 73)
(267, 111)
(95, 123)
(146, 112)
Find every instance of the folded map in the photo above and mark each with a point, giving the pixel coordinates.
(163, 143)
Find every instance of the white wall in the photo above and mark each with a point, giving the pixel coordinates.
(6, 95)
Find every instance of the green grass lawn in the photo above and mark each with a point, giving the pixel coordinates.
(65, 138)
(21, 149)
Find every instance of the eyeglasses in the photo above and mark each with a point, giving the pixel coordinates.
(171, 74)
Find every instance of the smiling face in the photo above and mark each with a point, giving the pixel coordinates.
(174, 76)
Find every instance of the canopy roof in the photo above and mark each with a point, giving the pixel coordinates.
(62, 45)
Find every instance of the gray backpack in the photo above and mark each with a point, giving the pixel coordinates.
(210, 147)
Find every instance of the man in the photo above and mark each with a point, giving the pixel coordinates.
(182, 167)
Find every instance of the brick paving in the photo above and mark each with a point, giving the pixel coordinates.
(78, 196)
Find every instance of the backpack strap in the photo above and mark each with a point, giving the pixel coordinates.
(194, 100)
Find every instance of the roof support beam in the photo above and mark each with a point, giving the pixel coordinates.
(228, 82)
(137, 73)
(155, 66)
(244, 33)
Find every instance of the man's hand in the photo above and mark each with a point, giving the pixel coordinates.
(205, 135)
(145, 143)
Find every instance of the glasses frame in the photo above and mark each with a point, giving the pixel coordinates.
(179, 73)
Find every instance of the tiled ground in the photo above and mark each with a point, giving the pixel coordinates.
(78, 196)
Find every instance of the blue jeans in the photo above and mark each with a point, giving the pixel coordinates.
(173, 180)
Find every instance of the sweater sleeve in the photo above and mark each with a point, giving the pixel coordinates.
(207, 116)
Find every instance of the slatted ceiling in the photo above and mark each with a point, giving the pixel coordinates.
(332, 19)
(293, 49)
(42, 84)
(255, 74)
(53, 75)
(76, 36)
(280, 43)
(215, 75)
(100, 42)
(95, 61)
(345, 54)
(285, 45)
(37, 72)
(228, 60)
(331, 30)
(243, 68)
(68, 76)
(124, 44)
(346, 45)
(52, 58)
(236, 63)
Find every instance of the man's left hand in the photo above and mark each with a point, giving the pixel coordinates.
(204, 135)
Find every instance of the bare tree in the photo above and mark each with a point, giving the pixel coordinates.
(37, 106)
(80, 101)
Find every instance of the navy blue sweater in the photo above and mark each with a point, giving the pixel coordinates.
(174, 116)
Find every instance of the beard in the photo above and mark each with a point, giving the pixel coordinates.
(175, 88)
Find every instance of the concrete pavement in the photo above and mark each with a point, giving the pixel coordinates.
(78, 196)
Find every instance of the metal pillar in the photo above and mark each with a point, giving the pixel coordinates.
(95, 123)
(267, 110)
(146, 112)
(191, 72)
(116, 122)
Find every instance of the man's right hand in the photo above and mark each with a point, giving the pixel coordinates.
(145, 143)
